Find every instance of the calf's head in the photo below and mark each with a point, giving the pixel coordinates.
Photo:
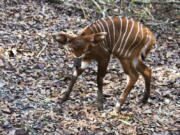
(79, 43)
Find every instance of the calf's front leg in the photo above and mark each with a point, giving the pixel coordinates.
(102, 68)
(78, 70)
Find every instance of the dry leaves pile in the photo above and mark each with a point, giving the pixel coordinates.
(35, 72)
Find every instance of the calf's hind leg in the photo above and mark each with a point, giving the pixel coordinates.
(146, 73)
(133, 77)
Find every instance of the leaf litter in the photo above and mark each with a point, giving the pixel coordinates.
(35, 71)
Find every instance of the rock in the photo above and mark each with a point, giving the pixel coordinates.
(21, 132)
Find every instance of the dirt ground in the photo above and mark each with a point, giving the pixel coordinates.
(36, 71)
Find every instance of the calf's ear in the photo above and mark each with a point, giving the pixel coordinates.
(98, 37)
(63, 37)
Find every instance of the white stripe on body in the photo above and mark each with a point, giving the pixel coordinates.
(127, 50)
(102, 45)
(132, 26)
(105, 21)
(114, 32)
(101, 24)
(94, 26)
(120, 33)
(96, 30)
(134, 47)
(136, 61)
(88, 26)
(91, 28)
(121, 44)
(146, 45)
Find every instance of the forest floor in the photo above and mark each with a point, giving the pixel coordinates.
(36, 72)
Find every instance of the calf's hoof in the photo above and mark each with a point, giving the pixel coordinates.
(100, 106)
(144, 99)
(62, 100)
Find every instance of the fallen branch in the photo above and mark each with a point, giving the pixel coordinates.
(158, 23)
(157, 2)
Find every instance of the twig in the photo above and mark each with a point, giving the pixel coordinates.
(161, 23)
(157, 2)
(123, 121)
(120, 4)
(97, 5)
(147, 10)
(41, 51)
(82, 8)
(99, 8)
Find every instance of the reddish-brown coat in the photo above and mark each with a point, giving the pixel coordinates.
(126, 39)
